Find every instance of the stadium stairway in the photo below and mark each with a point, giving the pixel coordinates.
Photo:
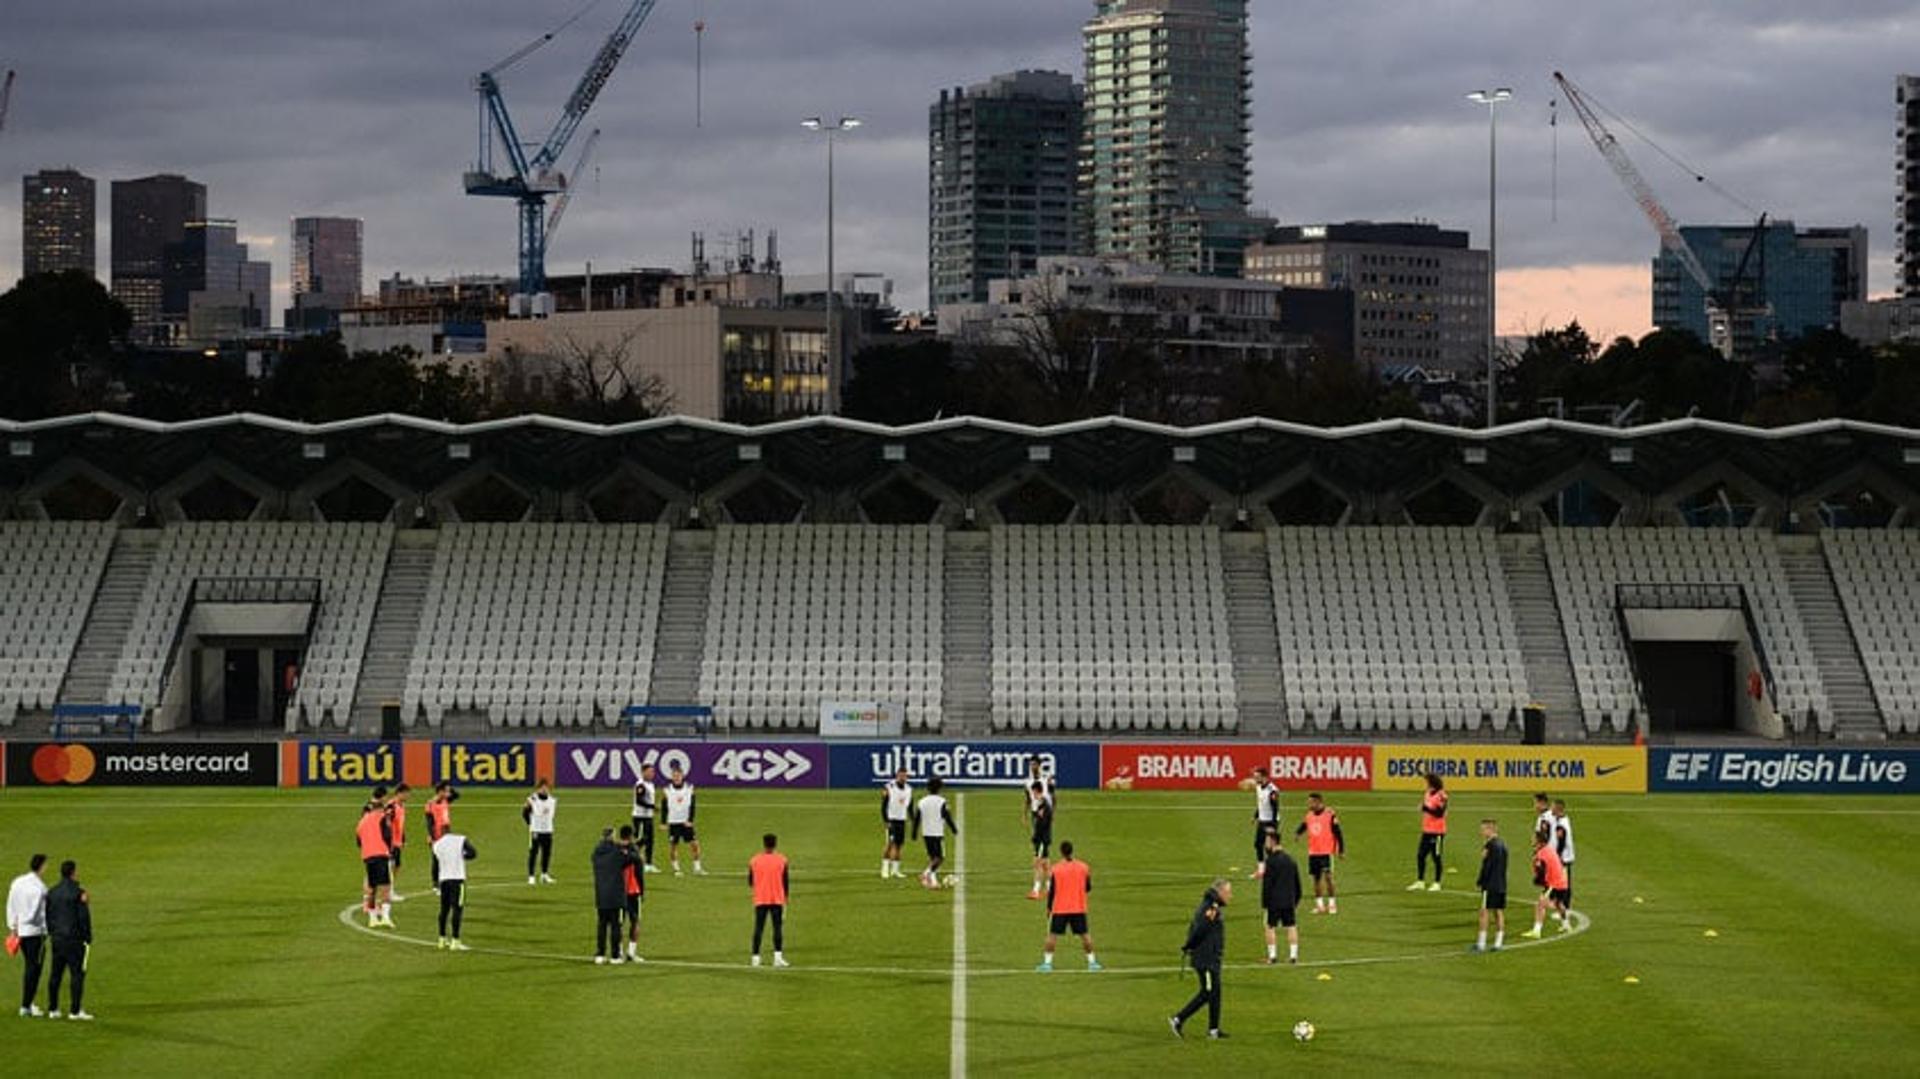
(396, 627)
(1856, 715)
(681, 641)
(966, 706)
(1543, 637)
(1251, 625)
(110, 616)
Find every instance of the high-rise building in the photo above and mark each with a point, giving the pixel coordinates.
(149, 214)
(1800, 278)
(1419, 291)
(56, 222)
(1906, 215)
(210, 282)
(1165, 162)
(1003, 162)
(327, 262)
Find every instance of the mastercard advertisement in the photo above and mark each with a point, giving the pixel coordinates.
(153, 764)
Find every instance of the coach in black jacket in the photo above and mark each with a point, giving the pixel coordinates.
(70, 931)
(1205, 947)
(610, 862)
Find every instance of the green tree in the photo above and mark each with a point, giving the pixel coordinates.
(59, 336)
(901, 384)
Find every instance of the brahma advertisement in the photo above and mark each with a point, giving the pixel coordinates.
(706, 764)
(1560, 769)
(1177, 766)
(146, 764)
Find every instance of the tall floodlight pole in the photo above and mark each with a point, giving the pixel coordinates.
(845, 123)
(1492, 98)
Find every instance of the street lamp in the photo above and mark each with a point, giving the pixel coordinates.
(816, 124)
(1491, 98)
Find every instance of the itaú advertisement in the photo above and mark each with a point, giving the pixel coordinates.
(147, 764)
(1554, 769)
(1187, 766)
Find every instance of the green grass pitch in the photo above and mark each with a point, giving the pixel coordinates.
(221, 948)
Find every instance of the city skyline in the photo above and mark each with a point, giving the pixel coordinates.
(313, 113)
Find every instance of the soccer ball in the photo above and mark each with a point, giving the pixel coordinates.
(950, 880)
(1303, 1031)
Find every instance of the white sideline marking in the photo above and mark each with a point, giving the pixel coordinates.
(957, 1054)
(1581, 923)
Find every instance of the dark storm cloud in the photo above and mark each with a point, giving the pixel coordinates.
(364, 108)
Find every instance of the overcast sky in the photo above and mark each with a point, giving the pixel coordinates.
(364, 108)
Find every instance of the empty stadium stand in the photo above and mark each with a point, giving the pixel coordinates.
(1396, 629)
(798, 616)
(47, 579)
(1878, 577)
(1589, 563)
(538, 624)
(347, 560)
(1110, 628)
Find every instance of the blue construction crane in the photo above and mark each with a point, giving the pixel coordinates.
(532, 178)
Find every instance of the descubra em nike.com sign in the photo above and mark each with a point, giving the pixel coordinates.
(1556, 769)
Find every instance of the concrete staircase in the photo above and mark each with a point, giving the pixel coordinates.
(682, 638)
(396, 626)
(966, 705)
(1856, 714)
(1543, 637)
(110, 617)
(1253, 626)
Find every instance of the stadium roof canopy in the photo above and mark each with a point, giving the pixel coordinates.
(829, 469)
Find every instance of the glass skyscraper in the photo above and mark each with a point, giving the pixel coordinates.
(1807, 275)
(149, 214)
(1003, 178)
(1906, 219)
(1165, 164)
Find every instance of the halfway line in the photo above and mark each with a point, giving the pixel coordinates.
(957, 1054)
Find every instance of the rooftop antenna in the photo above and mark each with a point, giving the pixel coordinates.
(699, 68)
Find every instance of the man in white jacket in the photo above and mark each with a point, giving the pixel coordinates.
(27, 919)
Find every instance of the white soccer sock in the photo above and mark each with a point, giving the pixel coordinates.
(1500, 939)
(1536, 925)
(1047, 958)
(1090, 959)
(697, 867)
(1293, 951)
(1481, 942)
(1273, 951)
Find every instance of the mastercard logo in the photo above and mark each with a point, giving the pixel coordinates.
(63, 764)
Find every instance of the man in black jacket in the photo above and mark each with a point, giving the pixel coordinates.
(70, 930)
(1205, 947)
(610, 862)
(1492, 885)
(1280, 897)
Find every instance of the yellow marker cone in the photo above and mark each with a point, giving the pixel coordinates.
(1639, 899)
(1325, 977)
(1711, 933)
(1632, 980)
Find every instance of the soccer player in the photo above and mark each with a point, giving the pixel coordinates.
(1205, 947)
(1039, 818)
(933, 820)
(1280, 897)
(451, 853)
(70, 938)
(538, 813)
(1563, 842)
(1493, 885)
(397, 826)
(439, 813)
(1321, 826)
(1266, 816)
(896, 805)
(679, 796)
(1067, 886)
(634, 879)
(768, 876)
(610, 864)
(645, 796)
(1433, 835)
(27, 923)
(1037, 773)
(374, 835)
(1551, 875)
(1543, 814)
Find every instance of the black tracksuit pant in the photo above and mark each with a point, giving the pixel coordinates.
(606, 937)
(69, 957)
(34, 951)
(1208, 997)
(778, 914)
(540, 845)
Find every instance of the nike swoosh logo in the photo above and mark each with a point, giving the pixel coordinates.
(1608, 771)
